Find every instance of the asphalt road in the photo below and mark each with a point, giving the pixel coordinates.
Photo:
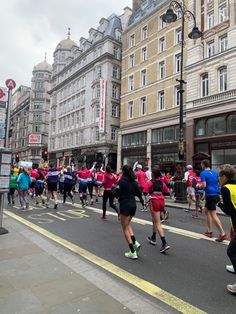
(192, 270)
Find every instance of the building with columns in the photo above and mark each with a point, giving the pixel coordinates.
(211, 84)
(85, 94)
(30, 116)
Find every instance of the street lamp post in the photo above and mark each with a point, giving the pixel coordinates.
(169, 17)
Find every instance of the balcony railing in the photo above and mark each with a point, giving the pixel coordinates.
(215, 98)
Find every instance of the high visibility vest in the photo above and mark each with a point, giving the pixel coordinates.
(232, 191)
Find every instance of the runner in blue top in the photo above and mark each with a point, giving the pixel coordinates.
(210, 182)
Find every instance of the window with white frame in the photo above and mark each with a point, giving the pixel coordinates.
(144, 33)
(144, 53)
(99, 72)
(115, 110)
(82, 116)
(36, 128)
(130, 110)
(143, 106)
(161, 100)
(115, 91)
(162, 44)
(118, 34)
(162, 69)
(162, 24)
(178, 63)
(132, 41)
(96, 134)
(113, 133)
(222, 72)
(131, 61)
(223, 43)
(222, 13)
(179, 11)
(131, 83)
(144, 77)
(210, 20)
(116, 72)
(204, 85)
(116, 52)
(97, 113)
(177, 95)
(210, 48)
(178, 35)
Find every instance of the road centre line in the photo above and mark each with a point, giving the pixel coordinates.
(139, 283)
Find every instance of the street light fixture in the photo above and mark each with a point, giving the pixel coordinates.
(169, 17)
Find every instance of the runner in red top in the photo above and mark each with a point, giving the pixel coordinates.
(141, 177)
(98, 183)
(155, 190)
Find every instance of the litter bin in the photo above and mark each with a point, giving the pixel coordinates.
(180, 192)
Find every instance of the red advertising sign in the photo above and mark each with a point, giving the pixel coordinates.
(35, 139)
(3, 94)
(102, 106)
(10, 84)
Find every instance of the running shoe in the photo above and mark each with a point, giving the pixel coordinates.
(131, 255)
(151, 241)
(194, 216)
(27, 205)
(91, 203)
(164, 248)
(230, 269)
(55, 206)
(96, 200)
(208, 234)
(13, 202)
(104, 218)
(137, 246)
(232, 288)
(221, 238)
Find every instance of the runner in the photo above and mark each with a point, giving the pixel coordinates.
(52, 180)
(39, 187)
(109, 183)
(199, 192)
(228, 191)
(210, 183)
(23, 182)
(12, 188)
(69, 182)
(156, 189)
(99, 181)
(142, 179)
(83, 177)
(188, 178)
(126, 191)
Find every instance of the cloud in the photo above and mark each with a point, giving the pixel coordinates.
(29, 28)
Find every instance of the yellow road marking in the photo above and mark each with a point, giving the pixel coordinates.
(139, 283)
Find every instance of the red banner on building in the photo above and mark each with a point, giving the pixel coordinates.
(102, 106)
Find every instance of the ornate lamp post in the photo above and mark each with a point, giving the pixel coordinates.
(169, 17)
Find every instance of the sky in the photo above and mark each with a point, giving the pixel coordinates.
(29, 28)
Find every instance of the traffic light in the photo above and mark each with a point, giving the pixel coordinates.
(45, 154)
(17, 158)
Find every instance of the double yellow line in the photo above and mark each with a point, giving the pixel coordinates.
(145, 286)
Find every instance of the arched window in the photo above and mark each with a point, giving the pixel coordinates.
(204, 85)
(222, 73)
(231, 123)
(200, 128)
(216, 126)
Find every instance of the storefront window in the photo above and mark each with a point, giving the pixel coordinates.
(216, 126)
(169, 134)
(223, 156)
(202, 148)
(200, 128)
(135, 139)
(157, 136)
(231, 123)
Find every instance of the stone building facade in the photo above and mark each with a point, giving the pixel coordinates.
(80, 72)
(30, 116)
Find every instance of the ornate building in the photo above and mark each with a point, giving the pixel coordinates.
(85, 94)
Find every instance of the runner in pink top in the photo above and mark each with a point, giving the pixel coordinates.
(141, 176)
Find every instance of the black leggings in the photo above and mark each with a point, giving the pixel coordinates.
(231, 251)
(108, 195)
(90, 189)
(67, 191)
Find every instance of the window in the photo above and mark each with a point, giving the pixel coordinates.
(116, 72)
(37, 117)
(215, 126)
(113, 134)
(118, 35)
(210, 49)
(134, 139)
(132, 41)
(177, 95)
(97, 113)
(178, 36)
(82, 117)
(231, 123)
(144, 33)
(143, 106)
(115, 110)
(223, 79)
(37, 106)
(144, 53)
(204, 85)
(115, 91)
(130, 110)
(143, 77)
(162, 23)
(96, 134)
(36, 128)
(131, 61)
(177, 63)
(210, 20)
(39, 85)
(161, 98)
(116, 52)
(98, 90)
(162, 44)
(222, 13)
(131, 83)
(223, 43)
(162, 69)
(99, 72)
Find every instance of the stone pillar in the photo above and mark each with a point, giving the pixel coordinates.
(149, 147)
(119, 148)
(189, 140)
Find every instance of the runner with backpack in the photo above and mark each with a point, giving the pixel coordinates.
(199, 193)
(155, 190)
(188, 178)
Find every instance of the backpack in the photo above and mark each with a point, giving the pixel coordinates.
(157, 186)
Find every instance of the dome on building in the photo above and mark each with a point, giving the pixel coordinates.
(43, 66)
(66, 44)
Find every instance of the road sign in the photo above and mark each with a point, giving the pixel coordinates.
(10, 84)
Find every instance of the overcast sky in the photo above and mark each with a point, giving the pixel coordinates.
(29, 28)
